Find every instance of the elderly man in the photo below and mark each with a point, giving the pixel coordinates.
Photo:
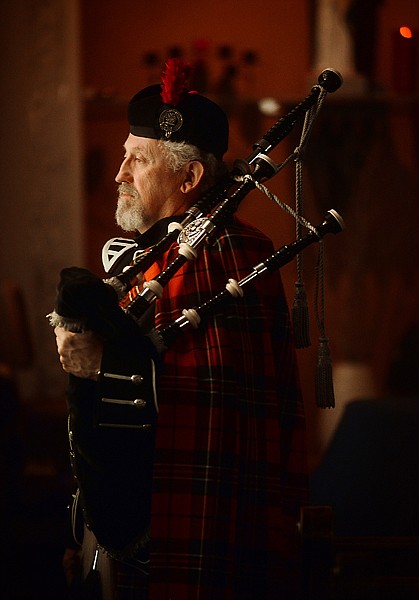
(202, 501)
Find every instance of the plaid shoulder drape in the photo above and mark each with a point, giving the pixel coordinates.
(230, 467)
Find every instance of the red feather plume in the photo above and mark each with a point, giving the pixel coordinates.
(174, 79)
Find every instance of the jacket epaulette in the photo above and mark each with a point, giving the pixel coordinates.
(115, 250)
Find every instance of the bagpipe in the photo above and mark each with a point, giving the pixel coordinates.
(87, 307)
(114, 308)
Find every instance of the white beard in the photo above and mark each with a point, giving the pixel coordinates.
(129, 214)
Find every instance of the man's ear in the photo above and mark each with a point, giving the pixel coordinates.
(194, 173)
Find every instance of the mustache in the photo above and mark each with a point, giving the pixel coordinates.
(127, 188)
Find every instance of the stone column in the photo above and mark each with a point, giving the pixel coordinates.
(40, 183)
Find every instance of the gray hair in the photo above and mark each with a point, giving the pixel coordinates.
(178, 154)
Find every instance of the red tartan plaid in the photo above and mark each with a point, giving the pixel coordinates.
(230, 471)
(130, 297)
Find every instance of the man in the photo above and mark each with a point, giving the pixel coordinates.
(201, 502)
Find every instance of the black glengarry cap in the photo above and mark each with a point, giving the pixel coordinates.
(169, 111)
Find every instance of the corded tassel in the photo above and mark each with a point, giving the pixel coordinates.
(300, 314)
(325, 397)
(300, 317)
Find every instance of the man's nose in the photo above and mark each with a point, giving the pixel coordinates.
(124, 174)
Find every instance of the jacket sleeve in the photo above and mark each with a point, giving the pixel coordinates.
(112, 430)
